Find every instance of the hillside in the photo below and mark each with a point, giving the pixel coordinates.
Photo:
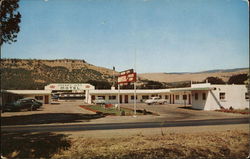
(35, 74)
(199, 76)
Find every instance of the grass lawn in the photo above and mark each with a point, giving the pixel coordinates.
(224, 144)
(111, 110)
(241, 111)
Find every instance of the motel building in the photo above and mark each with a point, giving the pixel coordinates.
(203, 96)
(127, 96)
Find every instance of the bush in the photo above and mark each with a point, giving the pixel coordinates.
(237, 79)
(214, 80)
(123, 113)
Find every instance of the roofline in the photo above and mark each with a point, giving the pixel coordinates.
(28, 92)
(193, 89)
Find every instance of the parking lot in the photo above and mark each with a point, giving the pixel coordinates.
(180, 112)
(63, 112)
(70, 112)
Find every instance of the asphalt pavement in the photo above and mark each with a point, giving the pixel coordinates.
(113, 126)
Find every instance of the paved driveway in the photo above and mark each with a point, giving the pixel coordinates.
(70, 112)
(179, 112)
(64, 112)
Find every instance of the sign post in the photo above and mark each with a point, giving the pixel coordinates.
(126, 77)
(119, 97)
(135, 98)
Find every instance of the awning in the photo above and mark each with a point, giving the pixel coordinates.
(192, 89)
(29, 92)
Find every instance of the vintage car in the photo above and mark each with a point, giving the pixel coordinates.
(99, 100)
(155, 100)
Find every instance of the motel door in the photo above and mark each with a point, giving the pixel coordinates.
(92, 98)
(46, 100)
(189, 99)
(120, 98)
(173, 99)
(126, 98)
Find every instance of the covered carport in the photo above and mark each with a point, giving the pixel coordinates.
(43, 96)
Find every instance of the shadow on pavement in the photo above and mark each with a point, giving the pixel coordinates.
(28, 145)
(48, 118)
(189, 107)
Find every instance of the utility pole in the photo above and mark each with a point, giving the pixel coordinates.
(135, 87)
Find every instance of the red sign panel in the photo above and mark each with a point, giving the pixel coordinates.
(52, 86)
(87, 86)
(127, 78)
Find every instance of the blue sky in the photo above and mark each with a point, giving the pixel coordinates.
(167, 35)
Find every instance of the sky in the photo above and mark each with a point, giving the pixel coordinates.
(148, 35)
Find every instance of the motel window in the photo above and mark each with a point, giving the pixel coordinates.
(166, 96)
(196, 96)
(39, 97)
(103, 97)
(246, 95)
(177, 97)
(112, 97)
(222, 96)
(184, 97)
(204, 96)
(145, 97)
(132, 97)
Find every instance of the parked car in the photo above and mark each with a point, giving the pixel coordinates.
(36, 104)
(99, 100)
(22, 104)
(155, 100)
(54, 96)
(18, 105)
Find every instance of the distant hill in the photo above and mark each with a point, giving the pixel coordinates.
(35, 74)
(210, 71)
(224, 74)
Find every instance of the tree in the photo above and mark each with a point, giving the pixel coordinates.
(238, 79)
(214, 80)
(148, 84)
(10, 19)
(100, 84)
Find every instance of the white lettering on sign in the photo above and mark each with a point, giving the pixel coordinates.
(126, 78)
(67, 86)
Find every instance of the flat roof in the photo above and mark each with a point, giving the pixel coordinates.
(192, 89)
(129, 91)
(28, 92)
(147, 91)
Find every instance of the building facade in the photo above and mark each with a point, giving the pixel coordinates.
(203, 96)
(220, 96)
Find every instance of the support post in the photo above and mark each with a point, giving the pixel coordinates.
(135, 98)
(119, 97)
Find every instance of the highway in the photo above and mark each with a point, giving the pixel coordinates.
(113, 126)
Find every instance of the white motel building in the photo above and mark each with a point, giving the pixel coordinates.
(203, 96)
